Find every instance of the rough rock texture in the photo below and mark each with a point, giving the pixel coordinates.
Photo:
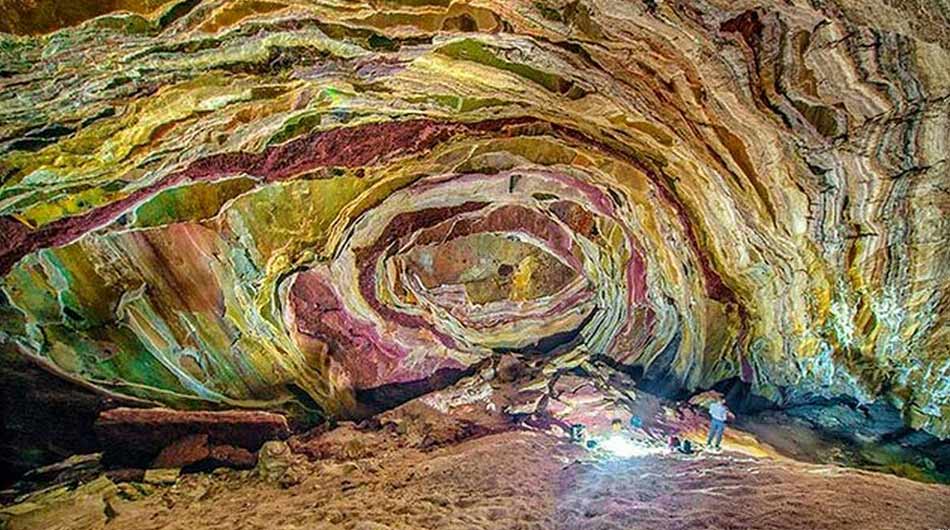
(505, 481)
(183, 452)
(164, 438)
(195, 452)
(305, 206)
(276, 463)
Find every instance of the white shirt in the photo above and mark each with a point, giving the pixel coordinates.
(718, 411)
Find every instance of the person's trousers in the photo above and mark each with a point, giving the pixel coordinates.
(716, 429)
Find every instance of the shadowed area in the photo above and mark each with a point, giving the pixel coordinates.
(31, 17)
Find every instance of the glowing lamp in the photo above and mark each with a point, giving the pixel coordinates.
(625, 448)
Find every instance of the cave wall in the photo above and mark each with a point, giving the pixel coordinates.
(287, 205)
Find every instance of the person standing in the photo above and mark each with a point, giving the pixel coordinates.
(719, 414)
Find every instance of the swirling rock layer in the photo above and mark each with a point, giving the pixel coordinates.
(308, 206)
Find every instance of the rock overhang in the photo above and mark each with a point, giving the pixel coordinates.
(235, 224)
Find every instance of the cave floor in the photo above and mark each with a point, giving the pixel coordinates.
(525, 480)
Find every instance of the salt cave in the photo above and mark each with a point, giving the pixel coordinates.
(412, 264)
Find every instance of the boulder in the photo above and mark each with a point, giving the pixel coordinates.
(161, 477)
(231, 456)
(183, 452)
(510, 368)
(275, 463)
(195, 451)
(121, 476)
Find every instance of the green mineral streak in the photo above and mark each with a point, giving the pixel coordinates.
(478, 52)
(63, 206)
(297, 125)
(189, 203)
(200, 336)
(127, 358)
(28, 290)
(282, 220)
(85, 298)
(233, 375)
(472, 104)
(329, 99)
(128, 24)
(549, 12)
(460, 104)
(379, 42)
(12, 321)
(12, 52)
(175, 11)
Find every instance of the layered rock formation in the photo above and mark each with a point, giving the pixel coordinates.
(319, 208)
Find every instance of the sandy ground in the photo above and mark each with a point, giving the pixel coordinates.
(522, 480)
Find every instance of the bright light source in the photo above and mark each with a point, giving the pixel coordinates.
(626, 448)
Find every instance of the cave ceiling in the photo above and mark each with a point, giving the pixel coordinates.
(285, 205)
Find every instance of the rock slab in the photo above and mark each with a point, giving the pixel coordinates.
(169, 438)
